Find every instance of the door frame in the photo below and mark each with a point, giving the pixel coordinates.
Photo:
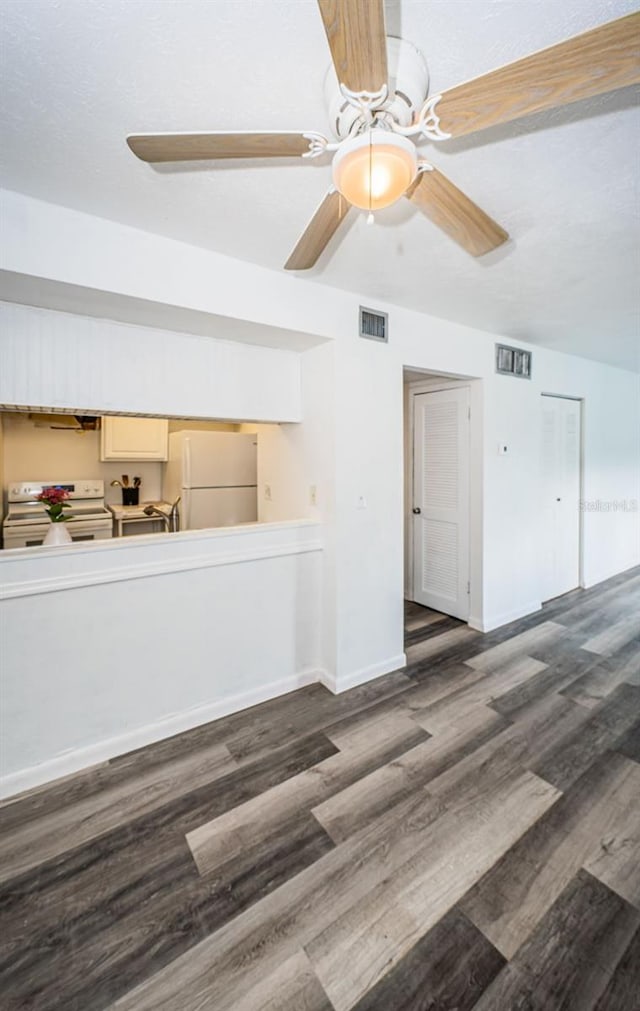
(581, 402)
(436, 385)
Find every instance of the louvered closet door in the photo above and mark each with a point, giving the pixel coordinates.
(441, 494)
(561, 496)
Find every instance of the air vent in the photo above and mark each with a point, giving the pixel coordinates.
(513, 362)
(374, 325)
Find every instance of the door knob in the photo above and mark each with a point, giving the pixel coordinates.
(417, 510)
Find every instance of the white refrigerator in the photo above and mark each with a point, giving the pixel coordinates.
(215, 475)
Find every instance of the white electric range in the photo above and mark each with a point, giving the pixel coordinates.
(26, 522)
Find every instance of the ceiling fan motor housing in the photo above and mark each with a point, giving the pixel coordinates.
(408, 88)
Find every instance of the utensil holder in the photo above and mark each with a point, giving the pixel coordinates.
(130, 496)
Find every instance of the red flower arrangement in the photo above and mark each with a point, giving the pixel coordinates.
(55, 498)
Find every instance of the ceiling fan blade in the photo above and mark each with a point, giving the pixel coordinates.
(160, 147)
(452, 211)
(318, 232)
(356, 35)
(594, 63)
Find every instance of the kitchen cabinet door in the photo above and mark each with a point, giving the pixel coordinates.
(134, 438)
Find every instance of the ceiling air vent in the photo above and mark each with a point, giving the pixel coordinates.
(513, 362)
(374, 325)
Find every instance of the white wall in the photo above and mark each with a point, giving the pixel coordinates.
(611, 457)
(350, 442)
(107, 649)
(293, 459)
(364, 405)
(511, 483)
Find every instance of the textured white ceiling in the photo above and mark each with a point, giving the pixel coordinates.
(78, 75)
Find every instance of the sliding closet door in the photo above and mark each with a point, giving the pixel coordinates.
(561, 495)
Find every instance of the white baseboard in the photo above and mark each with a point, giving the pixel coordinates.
(77, 759)
(608, 574)
(344, 682)
(497, 620)
(328, 680)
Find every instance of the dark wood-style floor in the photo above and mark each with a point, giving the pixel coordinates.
(461, 834)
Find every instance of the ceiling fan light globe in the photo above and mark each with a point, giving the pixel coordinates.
(374, 169)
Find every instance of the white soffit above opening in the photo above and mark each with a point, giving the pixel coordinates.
(77, 77)
(42, 293)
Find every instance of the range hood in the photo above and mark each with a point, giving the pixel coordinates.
(68, 422)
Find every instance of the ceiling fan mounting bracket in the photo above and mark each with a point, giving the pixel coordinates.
(398, 101)
(366, 103)
(429, 120)
(427, 123)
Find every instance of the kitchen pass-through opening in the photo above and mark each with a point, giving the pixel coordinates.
(124, 475)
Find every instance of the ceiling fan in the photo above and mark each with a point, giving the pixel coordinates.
(379, 110)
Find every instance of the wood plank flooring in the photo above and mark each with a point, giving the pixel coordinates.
(461, 835)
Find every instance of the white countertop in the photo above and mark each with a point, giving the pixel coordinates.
(133, 512)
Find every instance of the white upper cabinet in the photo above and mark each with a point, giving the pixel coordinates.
(134, 438)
